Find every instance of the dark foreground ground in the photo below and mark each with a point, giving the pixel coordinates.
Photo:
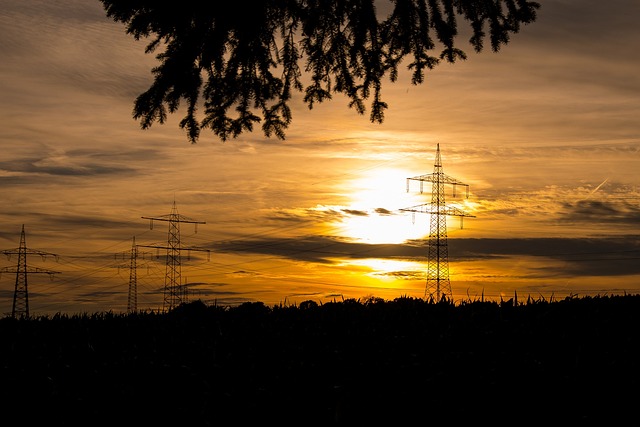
(402, 362)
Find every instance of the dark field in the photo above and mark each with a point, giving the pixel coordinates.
(403, 362)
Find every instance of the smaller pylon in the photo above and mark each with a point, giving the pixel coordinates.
(174, 292)
(132, 256)
(21, 295)
(132, 299)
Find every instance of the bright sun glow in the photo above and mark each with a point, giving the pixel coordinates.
(382, 266)
(373, 215)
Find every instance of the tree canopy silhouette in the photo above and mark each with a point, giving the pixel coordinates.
(240, 61)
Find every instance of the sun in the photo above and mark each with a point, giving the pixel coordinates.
(373, 214)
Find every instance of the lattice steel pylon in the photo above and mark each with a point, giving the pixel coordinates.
(174, 292)
(132, 255)
(132, 298)
(20, 306)
(438, 286)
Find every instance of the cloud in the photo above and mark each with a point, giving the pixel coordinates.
(613, 256)
(319, 249)
(578, 256)
(405, 275)
(355, 212)
(383, 211)
(41, 166)
(616, 212)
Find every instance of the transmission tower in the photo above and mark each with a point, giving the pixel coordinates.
(132, 299)
(21, 295)
(132, 255)
(438, 285)
(174, 293)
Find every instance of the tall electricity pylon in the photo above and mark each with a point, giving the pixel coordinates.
(438, 285)
(174, 293)
(21, 294)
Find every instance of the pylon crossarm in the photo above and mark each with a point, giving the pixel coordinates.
(427, 177)
(429, 208)
(439, 177)
(426, 208)
(453, 211)
(173, 218)
(30, 270)
(169, 247)
(28, 251)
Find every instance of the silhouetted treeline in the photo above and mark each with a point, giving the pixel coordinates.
(403, 362)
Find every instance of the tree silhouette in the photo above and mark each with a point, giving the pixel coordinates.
(241, 60)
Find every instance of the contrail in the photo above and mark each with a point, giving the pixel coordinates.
(598, 187)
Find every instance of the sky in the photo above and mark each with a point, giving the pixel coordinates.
(546, 133)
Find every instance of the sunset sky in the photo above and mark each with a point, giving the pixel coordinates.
(546, 133)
